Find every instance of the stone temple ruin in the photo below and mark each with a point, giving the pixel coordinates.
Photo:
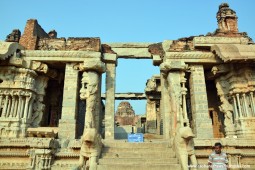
(51, 102)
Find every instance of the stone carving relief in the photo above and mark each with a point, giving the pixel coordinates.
(90, 149)
(150, 85)
(88, 92)
(19, 89)
(226, 107)
(184, 147)
(8, 49)
(40, 159)
(236, 92)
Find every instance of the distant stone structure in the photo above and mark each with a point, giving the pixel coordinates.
(125, 115)
(50, 95)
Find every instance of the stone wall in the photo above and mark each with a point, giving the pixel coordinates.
(33, 31)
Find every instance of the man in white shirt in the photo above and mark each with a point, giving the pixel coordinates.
(218, 159)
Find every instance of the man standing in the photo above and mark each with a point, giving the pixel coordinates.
(218, 159)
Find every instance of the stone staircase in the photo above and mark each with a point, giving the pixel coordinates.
(154, 155)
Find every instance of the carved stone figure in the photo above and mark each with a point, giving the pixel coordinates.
(226, 108)
(88, 92)
(38, 109)
(90, 149)
(184, 147)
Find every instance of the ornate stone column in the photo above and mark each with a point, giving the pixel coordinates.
(111, 63)
(67, 123)
(226, 107)
(202, 124)
(172, 72)
(165, 106)
(90, 90)
(151, 116)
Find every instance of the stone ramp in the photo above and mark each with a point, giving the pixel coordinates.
(121, 155)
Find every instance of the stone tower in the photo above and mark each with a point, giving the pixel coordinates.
(227, 19)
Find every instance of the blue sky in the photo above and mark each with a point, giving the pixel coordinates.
(125, 21)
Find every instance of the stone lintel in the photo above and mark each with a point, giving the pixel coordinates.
(136, 53)
(110, 58)
(64, 56)
(192, 57)
(129, 45)
(209, 41)
(127, 96)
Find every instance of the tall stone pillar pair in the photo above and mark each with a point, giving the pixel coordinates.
(90, 91)
(173, 102)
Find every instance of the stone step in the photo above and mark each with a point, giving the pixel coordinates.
(148, 154)
(122, 144)
(139, 167)
(137, 150)
(137, 161)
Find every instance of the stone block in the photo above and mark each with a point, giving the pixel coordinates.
(83, 44)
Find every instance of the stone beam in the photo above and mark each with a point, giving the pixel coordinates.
(64, 56)
(209, 41)
(128, 96)
(131, 50)
(192, 57)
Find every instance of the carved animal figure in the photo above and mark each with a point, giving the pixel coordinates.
(184, 147)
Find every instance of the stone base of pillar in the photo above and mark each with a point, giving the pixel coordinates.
(67, 129)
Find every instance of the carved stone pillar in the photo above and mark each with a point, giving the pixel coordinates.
(111, 63)
(173, 117)
(1, 99)
(89, 92)
(67, 123)
(151, 116)
(164, 106)
(202, 123)
(5, 105)
(226, 107)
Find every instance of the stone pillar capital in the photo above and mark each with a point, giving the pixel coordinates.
(168, 66)
(110, 58)
(91, 64)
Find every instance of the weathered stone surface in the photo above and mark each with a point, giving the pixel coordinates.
(8, 49)
(129, 45)
(33, 31)
(209, 41)
(156, 49)
(52, 44)
(235, 52)
(132, 52)
(83, 44)
(107, 49)
(14, 36)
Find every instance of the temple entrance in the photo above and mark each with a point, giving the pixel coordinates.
(132, 94)
(216, 116)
